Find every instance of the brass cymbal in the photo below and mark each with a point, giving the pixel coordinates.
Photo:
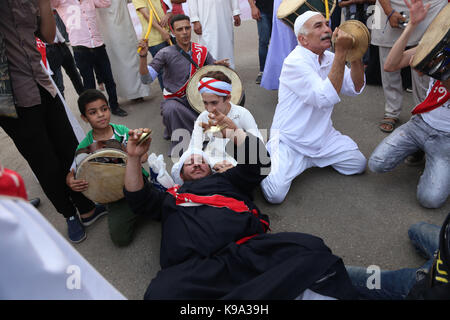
(361, 37)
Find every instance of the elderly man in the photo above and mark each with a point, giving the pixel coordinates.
(302, 134)
(178, 62)
(214, 243)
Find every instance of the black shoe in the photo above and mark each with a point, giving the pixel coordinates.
(119, 112)
(35, 202)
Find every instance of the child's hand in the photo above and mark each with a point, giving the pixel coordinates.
(76, 185)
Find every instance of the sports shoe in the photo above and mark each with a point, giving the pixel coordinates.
(75, 229)
(258, 78)
(119, 112)
(100, 211)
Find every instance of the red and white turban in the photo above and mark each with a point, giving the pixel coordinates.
(217, 87)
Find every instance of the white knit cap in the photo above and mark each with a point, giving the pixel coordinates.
(301, 19)
(176, 169)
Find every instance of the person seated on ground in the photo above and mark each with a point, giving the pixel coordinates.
(179, 62)
(214, 243)
(428, 130)
(431, 281)
(94, 109)
(302, 133)
(215, 88)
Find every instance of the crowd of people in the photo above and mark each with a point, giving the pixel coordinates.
(216, 242)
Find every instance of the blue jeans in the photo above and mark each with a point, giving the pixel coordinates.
(434, 185)
(153, 51)
(395, 285)
(264, 31)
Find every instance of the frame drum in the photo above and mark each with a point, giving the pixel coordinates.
(194, 97)
(104, 170)
(433, 52)
(289, 10)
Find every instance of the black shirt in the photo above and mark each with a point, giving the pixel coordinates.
(265, 6)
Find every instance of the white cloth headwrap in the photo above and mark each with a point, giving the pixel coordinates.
(217, 87)
(301, 19)
(176, 169)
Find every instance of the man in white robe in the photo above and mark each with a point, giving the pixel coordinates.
(213, 22)
(302, 134)
(120, 41)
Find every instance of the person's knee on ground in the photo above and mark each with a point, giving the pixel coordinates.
(431, 198)
(356, 164)
(274, 193)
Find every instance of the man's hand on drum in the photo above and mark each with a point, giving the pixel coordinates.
(74, 184)
(136, 149)
(223, 62)
(342, 40)
(222, 166)
(417, 11)
(197, 28)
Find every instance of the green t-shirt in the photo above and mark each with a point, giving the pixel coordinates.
(120, 134)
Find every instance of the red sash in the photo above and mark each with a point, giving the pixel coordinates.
(437, 97)
(199, 54)
(218, 201)
(40, 45)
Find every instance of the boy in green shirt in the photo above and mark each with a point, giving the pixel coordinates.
(94, 109)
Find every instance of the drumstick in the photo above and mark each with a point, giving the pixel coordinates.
(156, 15)
(327, 11)
(149, 28)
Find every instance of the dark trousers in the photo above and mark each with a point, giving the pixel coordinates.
(87, 59)
(58, 56)
(45, 138)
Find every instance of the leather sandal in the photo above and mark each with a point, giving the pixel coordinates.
(389, 123)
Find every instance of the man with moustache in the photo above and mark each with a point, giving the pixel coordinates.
(302, 134)
(178, 63)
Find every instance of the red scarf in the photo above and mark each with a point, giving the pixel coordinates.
(40, 45)
(199, 54)
(437, 97)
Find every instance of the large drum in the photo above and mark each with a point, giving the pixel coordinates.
(104, 170)
(289, 10)
(433, 52)
(194, 97)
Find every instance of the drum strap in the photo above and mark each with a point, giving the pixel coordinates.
(199, 54)
(437, 97)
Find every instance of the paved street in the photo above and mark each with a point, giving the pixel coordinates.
(363, 219)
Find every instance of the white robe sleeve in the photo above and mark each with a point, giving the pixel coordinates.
(310, 88)
(193, 10)
(348, 87)
(235, 7)
(198, 135)
(249, 124)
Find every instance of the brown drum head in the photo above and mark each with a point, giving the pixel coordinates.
(104, 170)
(361, 36)
(288, 7)
(194, 97)
(289, 10)
(434, 34)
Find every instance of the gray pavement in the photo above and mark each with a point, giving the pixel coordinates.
(363, 219)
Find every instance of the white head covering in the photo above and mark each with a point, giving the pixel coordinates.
(301, 19)
(217, 87)
(176, 169)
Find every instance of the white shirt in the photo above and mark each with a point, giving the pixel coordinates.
(215, 149)
(306, 98)
(438, 118)
(38, 263)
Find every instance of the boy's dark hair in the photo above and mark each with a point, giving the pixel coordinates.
(218, 75)
(88, 96)
(179, 17)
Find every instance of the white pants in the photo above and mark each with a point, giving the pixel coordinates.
(288, 163)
